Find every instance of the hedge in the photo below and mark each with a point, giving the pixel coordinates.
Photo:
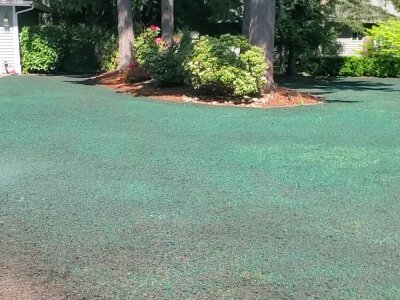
(354, 66)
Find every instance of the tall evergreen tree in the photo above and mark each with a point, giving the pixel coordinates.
(167, 20)
(262, 32)
(125, 33)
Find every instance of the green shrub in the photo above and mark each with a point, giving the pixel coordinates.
(323, 66)
(381, 66)
(80, 49)
(90, 49)
(107, 52)
(164, 62)
(42, 48)
(147, 45)
(354, 66)
(47, 49)
(228, 66)
(387, 66)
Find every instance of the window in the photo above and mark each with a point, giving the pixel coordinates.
(357, 36)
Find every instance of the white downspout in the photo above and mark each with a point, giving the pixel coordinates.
(25, 10)
(16, 37)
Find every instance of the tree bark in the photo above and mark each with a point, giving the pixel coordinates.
(262, 33)
(167, 21)
(125, 33)
(246, 18)
(292, 61)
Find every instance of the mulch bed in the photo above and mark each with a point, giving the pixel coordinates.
(281, 97)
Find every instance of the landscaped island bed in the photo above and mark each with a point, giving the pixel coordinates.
(103, 196)
(281, 97)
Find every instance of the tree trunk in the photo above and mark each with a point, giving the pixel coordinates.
(167, 21)
(283, 54)
(246, 18)
(125, 33)
(292, 62)
(262, 33)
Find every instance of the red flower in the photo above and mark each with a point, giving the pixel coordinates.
(154, 28)
(133, 65)
(158, 41)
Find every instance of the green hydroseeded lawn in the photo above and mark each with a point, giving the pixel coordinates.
(107, 196)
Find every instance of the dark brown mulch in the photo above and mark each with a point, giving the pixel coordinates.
(281, 97)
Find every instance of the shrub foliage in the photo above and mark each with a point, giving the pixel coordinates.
(107, 51)
(228, 65)
(47, 49)
(164, 62)
(354, 66)
(42, 48)
(384, 39)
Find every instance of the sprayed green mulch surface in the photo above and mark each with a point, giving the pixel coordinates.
(107, 196)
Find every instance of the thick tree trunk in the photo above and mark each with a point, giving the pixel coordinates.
(262, 33)
(246, 18)
(125, 33)
(167, 21)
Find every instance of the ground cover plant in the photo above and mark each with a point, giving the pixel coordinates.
(107, 196)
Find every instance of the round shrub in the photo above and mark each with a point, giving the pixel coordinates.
(227, 66)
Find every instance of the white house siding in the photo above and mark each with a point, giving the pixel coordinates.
(351, 47)
(7, 40)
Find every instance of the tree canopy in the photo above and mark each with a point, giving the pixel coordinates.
(303, 27)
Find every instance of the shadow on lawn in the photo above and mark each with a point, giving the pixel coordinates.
(325, 86)
(84, 79)
(342, 101)
(315, 86)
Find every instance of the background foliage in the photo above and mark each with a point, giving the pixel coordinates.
(305, 33)
(384, 39)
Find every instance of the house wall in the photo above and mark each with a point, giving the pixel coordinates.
(352, 44)
(353, 47)
(350, 47)
(7, 40)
